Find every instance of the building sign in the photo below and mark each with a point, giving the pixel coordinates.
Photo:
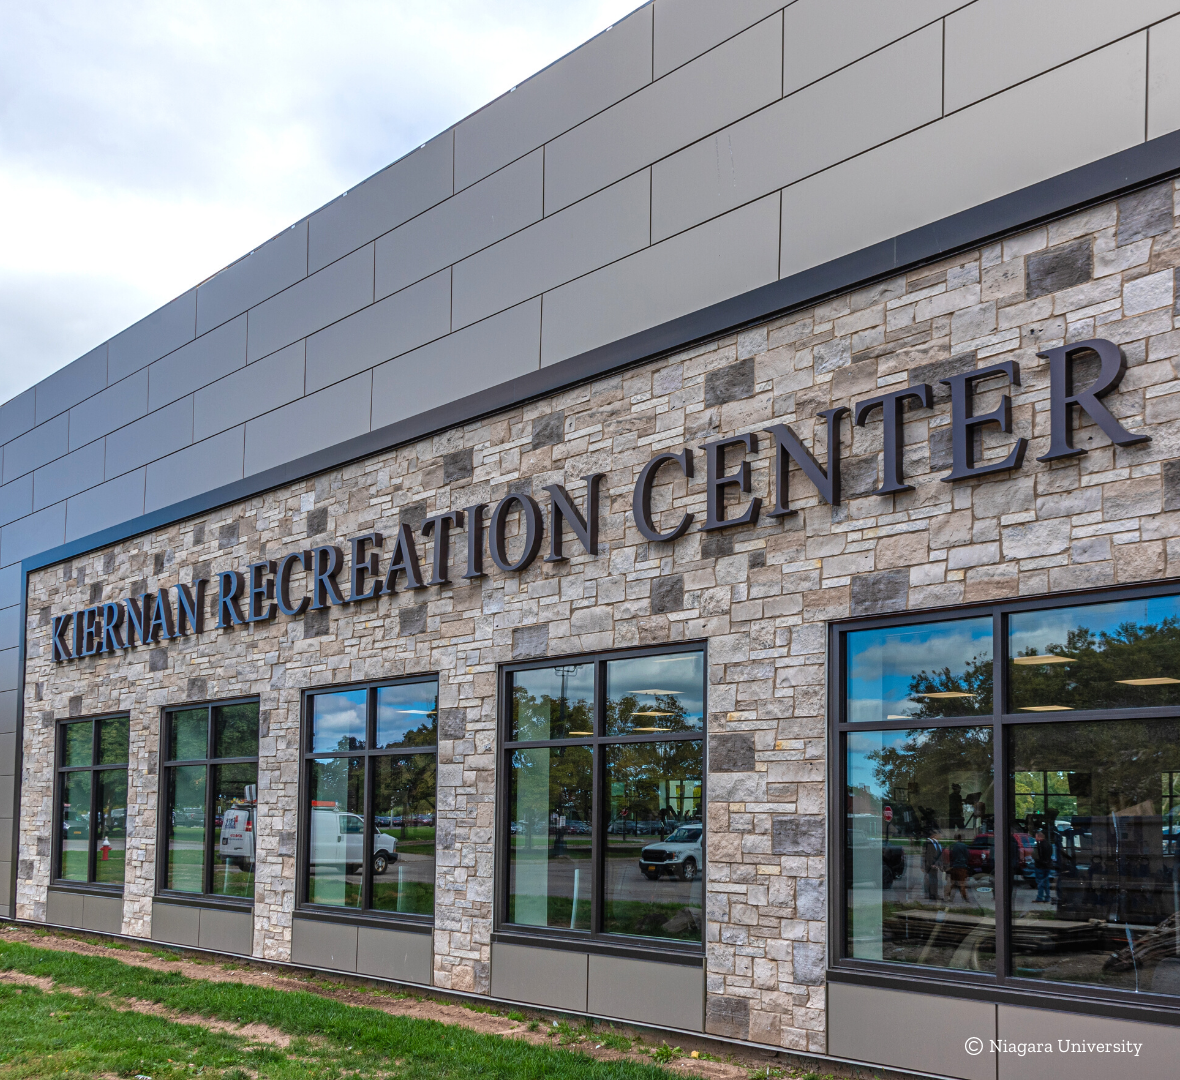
(262, 590)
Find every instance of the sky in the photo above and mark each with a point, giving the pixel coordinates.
(144, 146)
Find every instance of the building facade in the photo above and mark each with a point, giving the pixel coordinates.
(694, 653)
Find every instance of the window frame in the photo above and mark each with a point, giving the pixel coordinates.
(1002, 986)
(204, 898)
(56, 881)
(595, 939)
(365, 914)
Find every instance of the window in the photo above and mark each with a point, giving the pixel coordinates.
(92, 800)
(211, 784)
(1064, 868)
(604, 770)
(370, 782)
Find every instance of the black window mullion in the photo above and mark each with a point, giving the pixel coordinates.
(367, 801)
(1001, 890)
(91, 864)
(598, 805)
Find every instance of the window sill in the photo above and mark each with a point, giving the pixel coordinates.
(413, 924)
(201, 900)
(91, 888)
(658, 952)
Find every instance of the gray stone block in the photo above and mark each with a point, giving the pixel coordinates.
(686, 28)
(606, 69)
(731, 383)
(811, 899)
(18, 415)
(808, 962)
(68, 475)
(29, 535)
(728, 1017)
(1171, 485)
(934, 372)
(530, 641)
(165, 329)
(488, 211)
(548, 430)
(16, 499)
(731, 751)
(267, 270)
(1061, 267)
(1145, 213)
(75, 382)
(411, 620)
(250, 391)
(667, 594)
(106, 505)
(885, 590)
(714, 545)
(395, 194)
(34, 448)
(198, 363)
(380, 331)
(457, 465)
(195, 469)
(797, 834)
(118, 404)
(452, 723)
(316, 623)
(311, 304)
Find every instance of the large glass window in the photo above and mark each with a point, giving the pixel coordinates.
(371, 781)
(92, 800)
(604, 821)
(211, 781)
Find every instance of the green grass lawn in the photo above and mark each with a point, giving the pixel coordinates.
(75, 1035)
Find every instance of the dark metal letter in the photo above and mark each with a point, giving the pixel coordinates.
(91, 633)
(112, 619)
(261, 589)
(788, 445)
(61, 651)
(641, 499)
(136, 618)
(1062, 398)
(283, 582)
(230, 587)
(440, 525)
(326, 562)
(530, 517)
(160, 625)
(717, 480)
(190, 611)
(404, 560)
(362, 565)
(474, 516)
(562, 509)
(964, 423)
(892, 407)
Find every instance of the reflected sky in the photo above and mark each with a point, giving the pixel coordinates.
(338, 721)
(657, 683)
(1038, 630)
(407, 713)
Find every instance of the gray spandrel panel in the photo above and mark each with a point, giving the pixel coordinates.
(103, 506)
(29, 535)
(332, 293)
(323, 419)
(7, 714)
(385, 329)
(16, 499)
(463, 363)
(159, 433)
(18, 414)
(115, 406)
(10, 627)
(10, 585)
(714, 90)
(396, 194)
(501, 204)
(710, 263)
(604, 70)
(34, 448)
(198, 363)
(877, 99)
(8, 668)
(75, 382)
(66, 476)
(195, 469)
(684, 29)
(256, 389)
(267, 270)
(163, 330)
(607, 226)
(820, 37)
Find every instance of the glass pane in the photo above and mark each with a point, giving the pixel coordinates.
(550, 873)
(235, 797)
(113, 740)
(235, 730)
(919, 840)
(655, 693)
(79, 744)
(1095, 826)
(407, 715)
(1124, 655)
(337, 793)
(186, 829)
(553, 703)
(338, 721)
(188, 735)
(655, 845)
(403, 836)
(918, 672)
(75, 822)
(110, 829)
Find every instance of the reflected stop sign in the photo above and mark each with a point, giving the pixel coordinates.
(887, 813)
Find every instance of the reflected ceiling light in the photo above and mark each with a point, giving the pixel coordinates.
(581, 732)
(652, 713)
(895, 716)
(1161, 681)
(657, 691)
(1049, 658)
(651, 729)
(943, 695)
(1046, 708)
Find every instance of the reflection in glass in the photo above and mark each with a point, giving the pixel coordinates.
(403, 840)
(552, 703)
(337, 793)
(186, 829)
(919, 855)
(235, 730)
(113, 740)
(655, 693)
(654, 840)
(407, 715)
(75, 819)
(188, 734)
(79, 743)
(1121, 655)
(917, 672)
(235, 798)
(110, 827)
(338, 721)
(1095, 896)
(549, 866)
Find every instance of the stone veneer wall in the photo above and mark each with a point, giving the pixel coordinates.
(760, 596)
